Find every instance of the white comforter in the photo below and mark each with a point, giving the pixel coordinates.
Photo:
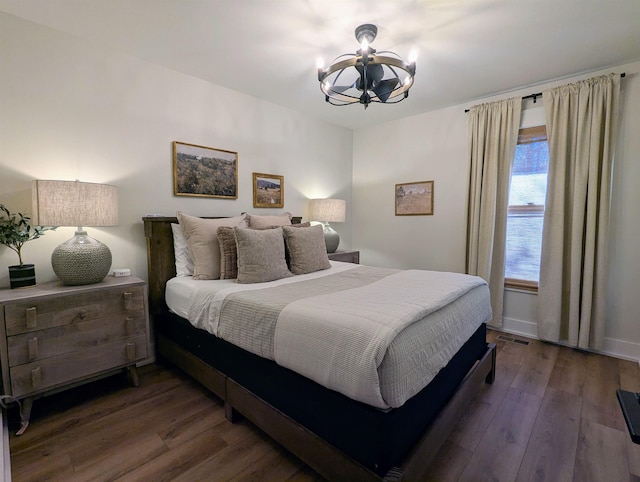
(340, 339)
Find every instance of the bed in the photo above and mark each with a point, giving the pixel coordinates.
(339, 436)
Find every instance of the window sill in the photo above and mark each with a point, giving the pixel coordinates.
(521, 285)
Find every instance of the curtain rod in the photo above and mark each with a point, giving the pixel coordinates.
(535, 96)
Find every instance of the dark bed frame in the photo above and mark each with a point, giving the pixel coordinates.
(339, 438)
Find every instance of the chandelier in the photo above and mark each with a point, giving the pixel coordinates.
(366, 76)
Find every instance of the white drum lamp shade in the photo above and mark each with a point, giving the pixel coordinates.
(329, 211)
(81, 260)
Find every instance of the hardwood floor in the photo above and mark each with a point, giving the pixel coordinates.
(551, 415)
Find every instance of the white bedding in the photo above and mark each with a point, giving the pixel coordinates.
(383, 368)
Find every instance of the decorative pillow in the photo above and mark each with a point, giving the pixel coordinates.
(228, 252)
(184, 263)
(307, 249)
(202, 239)
(258, 221)
(229, 249)
(260, 255)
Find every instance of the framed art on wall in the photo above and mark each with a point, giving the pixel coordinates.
(204, 171)
(414, 198)
(268, 190)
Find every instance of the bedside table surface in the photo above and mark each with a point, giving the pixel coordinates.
(56, 288)
(346, 256)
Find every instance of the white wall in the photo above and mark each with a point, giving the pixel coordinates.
(72, 110)
(434, 146)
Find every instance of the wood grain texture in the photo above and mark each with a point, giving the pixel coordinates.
(551, 451)
(171, 428)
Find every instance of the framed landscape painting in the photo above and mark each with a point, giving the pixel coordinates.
(268, 190)
(204, 171)
(414, 198)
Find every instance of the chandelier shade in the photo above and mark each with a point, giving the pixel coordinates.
(366, 76)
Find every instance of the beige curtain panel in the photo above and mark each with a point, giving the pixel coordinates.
(493, 136)
(582, 123)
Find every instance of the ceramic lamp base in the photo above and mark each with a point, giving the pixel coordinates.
(331, 238)
(81, 261)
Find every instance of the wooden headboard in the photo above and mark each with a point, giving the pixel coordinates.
(161, 261)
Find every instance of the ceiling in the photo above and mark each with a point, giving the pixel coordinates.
(467, 49)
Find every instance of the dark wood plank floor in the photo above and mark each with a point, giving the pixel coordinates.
(551, 415)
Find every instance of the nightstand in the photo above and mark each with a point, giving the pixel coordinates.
(347, 256)
(54, 336)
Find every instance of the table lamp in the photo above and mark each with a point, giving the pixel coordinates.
(329, 211)
(81, 260)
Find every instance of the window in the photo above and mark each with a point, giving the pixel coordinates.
(526, 208)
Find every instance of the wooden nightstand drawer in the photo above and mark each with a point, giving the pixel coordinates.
(60, 370)
(28, 316)
(38, 345)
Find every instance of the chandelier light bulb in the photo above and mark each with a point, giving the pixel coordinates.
(413, 56)
(320, 63)
(364, 45)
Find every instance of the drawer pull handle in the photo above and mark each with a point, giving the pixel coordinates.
(131, 351)
(32, 316)
(128, 298)
(32, 345)
(36, 377)
(130, 326)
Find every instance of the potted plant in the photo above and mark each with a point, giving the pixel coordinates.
(15, 231)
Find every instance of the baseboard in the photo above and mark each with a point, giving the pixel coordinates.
(624, 350)
(520, 327)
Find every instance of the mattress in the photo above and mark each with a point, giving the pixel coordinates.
(409, 361)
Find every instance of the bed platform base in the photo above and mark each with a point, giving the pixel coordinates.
(323, 456)
(314, 451)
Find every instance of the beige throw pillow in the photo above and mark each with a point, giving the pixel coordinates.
(260, 255)
(307, 249)
(261, 222)
(202, 239)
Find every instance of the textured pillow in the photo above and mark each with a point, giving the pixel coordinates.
(260, 255)
(229, 249)
(202, 239)
(258, 221)
(228, 253)
(307, 249)
(184, 263)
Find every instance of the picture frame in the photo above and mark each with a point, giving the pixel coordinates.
(204, 171)
(268, 190)
(414, 198)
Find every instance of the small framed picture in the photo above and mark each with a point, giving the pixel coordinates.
(268, 190)
(414, 198)
(204, 171)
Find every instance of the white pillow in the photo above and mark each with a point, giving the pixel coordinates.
(184, 263)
